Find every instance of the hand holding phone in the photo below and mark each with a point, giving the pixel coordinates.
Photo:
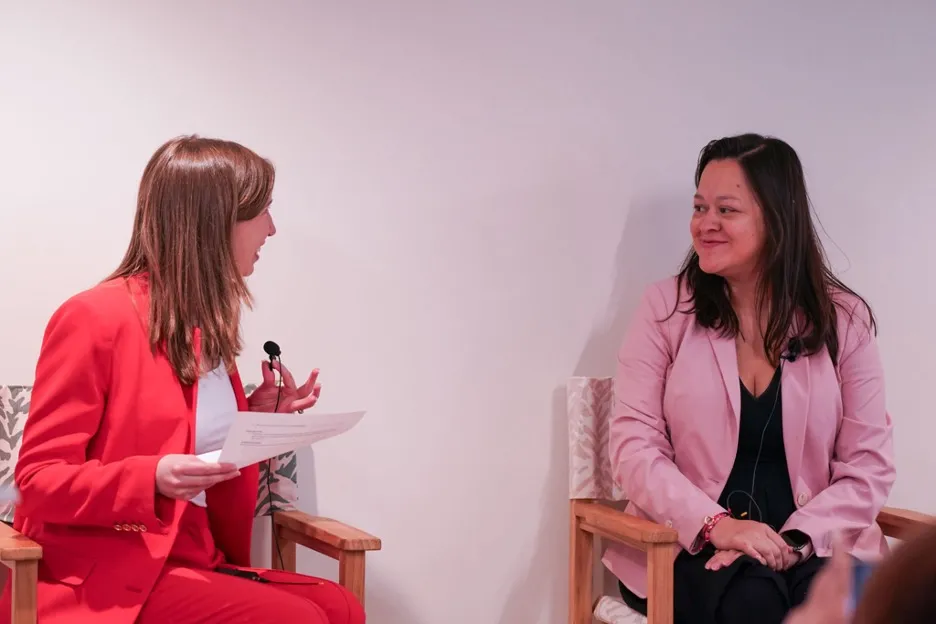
(860, 573)
(834, 592)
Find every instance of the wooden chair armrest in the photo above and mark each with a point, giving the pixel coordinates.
(334, 539)
(21, 555)
(14, 546)
(903, 523)
(606, 521)
(314, 531)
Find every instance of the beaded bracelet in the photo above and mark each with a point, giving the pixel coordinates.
(710, 524)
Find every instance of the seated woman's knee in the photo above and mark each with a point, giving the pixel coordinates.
(752, 599)
(339, 605)
(351, 610)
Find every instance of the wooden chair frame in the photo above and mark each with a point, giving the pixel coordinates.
(334, 539)
(590, 518)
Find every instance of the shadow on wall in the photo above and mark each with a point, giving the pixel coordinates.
(525, 602)
(382, 595)
(653, 244)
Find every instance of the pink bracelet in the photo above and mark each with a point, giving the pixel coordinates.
(710, 524)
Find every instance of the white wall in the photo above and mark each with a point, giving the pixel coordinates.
(470, 198)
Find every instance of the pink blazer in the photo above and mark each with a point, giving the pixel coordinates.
(674, 431)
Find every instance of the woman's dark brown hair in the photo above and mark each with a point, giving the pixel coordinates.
(902, 590)
(794, 274)
(193, 191)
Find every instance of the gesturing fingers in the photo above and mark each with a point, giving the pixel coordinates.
(305, 402)
(288, 379)
(310, 386)
(269, 377)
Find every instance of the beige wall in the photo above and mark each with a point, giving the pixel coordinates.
(470, 198)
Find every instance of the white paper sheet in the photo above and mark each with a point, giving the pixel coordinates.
(256, 436)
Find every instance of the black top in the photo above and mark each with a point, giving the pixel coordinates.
(772, 493)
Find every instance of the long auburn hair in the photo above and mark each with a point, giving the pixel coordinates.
(795, 277)
(192, 193)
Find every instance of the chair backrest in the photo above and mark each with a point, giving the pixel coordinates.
(279, 478)
(588, 402)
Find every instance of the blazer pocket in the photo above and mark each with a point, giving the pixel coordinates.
(64, 566)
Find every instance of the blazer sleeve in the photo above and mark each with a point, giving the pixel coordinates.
(56, 480)
(862, 467)
(640, 449)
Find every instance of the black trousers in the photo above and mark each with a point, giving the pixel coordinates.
(742, 593)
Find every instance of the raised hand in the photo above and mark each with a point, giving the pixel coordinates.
(292, 399)
(827, 600)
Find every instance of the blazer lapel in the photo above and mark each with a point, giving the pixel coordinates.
(727, 357)
(239, 393)
(795, 383)
(795, 391)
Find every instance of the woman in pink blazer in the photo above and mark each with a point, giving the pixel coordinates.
(749, 400)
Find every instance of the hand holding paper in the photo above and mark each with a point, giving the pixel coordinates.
(256, 436)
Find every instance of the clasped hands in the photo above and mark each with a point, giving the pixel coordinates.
(733, 538)
(185, 476)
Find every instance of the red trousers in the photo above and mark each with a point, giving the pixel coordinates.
(190, 590)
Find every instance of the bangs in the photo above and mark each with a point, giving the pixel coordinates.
(255, 180)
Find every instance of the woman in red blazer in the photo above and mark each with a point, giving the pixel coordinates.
(136, 377)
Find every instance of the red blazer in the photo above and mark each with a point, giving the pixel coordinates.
(104, 409)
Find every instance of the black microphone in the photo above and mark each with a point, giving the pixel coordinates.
(794, 348)
(272, 349)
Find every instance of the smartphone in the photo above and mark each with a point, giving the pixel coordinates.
(861, 572)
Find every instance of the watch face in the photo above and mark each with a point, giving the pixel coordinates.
(796, 542)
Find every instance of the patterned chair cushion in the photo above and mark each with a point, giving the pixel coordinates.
(279, 477)
(279, 480)
(588, 403)
(14, 406)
